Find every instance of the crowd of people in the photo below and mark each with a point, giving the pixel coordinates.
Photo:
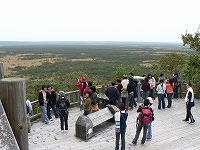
(123, 94)
(48, 100)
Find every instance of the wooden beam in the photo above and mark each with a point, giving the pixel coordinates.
(13, 96)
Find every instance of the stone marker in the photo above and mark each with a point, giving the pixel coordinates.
(7, 138)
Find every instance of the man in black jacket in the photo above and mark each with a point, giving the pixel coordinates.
(113, 94)
(51, 103)
(63, 105)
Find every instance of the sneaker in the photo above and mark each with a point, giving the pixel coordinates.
(51, 119)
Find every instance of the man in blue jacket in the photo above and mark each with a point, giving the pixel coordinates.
(120, 126)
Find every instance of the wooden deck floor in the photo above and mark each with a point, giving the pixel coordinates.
(169, 132)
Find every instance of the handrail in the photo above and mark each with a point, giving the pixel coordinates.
(73, 97)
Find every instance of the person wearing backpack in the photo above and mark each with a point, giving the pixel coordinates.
(120, 126)
(63, 105)
(149, 130)
(143, 120)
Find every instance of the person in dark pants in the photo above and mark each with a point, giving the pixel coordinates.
(176, 84)
(51, 103)
(63, 105)
(131, 88)
(161, 89)
(143, 121)
(120, 126)
(169, 91)
(189, 99)
(113, 94)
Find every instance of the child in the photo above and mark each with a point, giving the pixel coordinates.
(63, 105)
(149, 131)
(143, 120)
(120, 126)
(87, 104)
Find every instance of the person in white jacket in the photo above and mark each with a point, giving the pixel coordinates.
(189, 99)
(161, 88)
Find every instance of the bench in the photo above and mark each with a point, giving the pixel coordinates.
(85, 124)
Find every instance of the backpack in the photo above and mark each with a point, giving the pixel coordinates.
(145, 116)
(62, 106)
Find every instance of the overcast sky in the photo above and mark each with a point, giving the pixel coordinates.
(98, 20)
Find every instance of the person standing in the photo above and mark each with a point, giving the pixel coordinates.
(149, 129)
(113, 94)
(143, 120)
(145, 88)
(161, 88)
(169, 91)
(63, 105)
(176, 84)
(81, 84)
(189, 99)
(29, 113)
(43, 100)
(124, 92)
(152, 82)
(131, 88)
(51, 103)
(120, 126)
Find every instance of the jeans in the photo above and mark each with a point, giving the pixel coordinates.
(64, 120)
(139, 128)
(149, 131)
(169, 99)
(125, 102)
(132, 101)
(44, 114)
(161, 101)
(49, 111)
(145, 94)
(122, 132)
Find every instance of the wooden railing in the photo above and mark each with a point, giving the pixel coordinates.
(73, 97)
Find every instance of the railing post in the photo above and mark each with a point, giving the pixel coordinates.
(1, 70)
(13, 96)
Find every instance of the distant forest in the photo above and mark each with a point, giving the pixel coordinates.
(62, 63)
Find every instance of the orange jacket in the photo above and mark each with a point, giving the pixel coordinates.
(170, 88)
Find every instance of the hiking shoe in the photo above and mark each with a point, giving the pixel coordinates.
(191, 122)
(185, 120)
(134, 143)
(142, 142)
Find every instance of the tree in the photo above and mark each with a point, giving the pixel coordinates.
(169, 64)
(192, 40)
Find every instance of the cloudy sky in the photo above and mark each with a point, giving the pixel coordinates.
(98, 20)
